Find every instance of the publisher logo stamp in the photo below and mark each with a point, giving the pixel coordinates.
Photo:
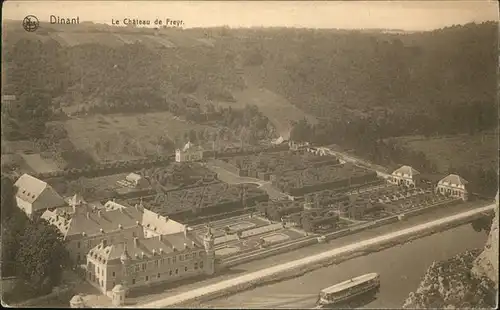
(30, 23)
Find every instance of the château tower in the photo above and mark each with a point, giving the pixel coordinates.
(208, 243)
(125, 260)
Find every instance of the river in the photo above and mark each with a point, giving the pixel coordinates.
(401, 268)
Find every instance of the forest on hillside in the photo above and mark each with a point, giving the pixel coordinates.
(328, 73)
(364, 86)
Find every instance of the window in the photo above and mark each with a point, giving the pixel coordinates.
(181, 257)
(147, 278)
(158, 275)
(133, 281)
(113, 275)
(156, 263)
(168, 260)
(201, 253)
(102, 272)
(137, 268)
(114, 283)
(102, 283)
(97, 270)
(78, 244)
(186, 268)
(195, 266)
(201, 264)
(143, 266)
(173, 260)
(78, 257)
(170, 273)
(194, 255)
(176, 271)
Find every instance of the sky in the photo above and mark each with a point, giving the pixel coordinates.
(407, 15)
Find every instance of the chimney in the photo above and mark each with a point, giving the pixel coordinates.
(161, 251)
(142, 254)
(83, 233)
(193, 244)
(154, 252)
(99, 213)
(185, 231)
(88, 215)
(120, 226)
(166, 218)
(137, 207)
(185, 245)
(137, 223)
(101, 230)
(136, 242)
(174, 249)
(160, 238)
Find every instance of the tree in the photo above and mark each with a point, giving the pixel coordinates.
(42, 255)
(7, 202)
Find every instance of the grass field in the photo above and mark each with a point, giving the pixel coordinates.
(122, 137)
(39, 164)
(277, 109)
(479, 150)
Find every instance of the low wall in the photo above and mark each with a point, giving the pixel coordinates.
(426, 209)
(260, 254)
(288, 246)
(336, 259)
(61, 296)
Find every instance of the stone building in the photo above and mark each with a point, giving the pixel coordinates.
(453, 186)
(189, 153)
(35, 196)
(143, 262)
(86, 227)
(405, 176)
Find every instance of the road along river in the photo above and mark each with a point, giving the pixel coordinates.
(401, 268)
(275, 271)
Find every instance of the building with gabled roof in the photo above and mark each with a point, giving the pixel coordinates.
(136, 180)
(140, 262)
(189, 153)
(405, 176)
(454, 186)
(35, 196)
(87, 226)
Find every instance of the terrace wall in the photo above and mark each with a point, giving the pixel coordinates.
(105, 169)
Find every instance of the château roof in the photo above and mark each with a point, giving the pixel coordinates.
(93, 222)
(453, 179)
(145, 248)
(406, 170)
(31, 189)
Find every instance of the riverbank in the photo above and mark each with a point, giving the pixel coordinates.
(400, 267)
(295, 268)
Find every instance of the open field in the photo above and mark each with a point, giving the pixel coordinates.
(275, 107)
(39, 164)
(98, 187)
(16, 162)
(122, 137)
(479, 150)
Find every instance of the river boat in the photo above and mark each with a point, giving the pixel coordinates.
(347, 290)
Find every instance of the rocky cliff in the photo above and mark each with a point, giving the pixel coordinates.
(486, 263)
(468, 280)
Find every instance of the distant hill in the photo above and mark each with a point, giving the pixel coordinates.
(330, 74)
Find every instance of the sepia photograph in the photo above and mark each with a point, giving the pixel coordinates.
(250, 154)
